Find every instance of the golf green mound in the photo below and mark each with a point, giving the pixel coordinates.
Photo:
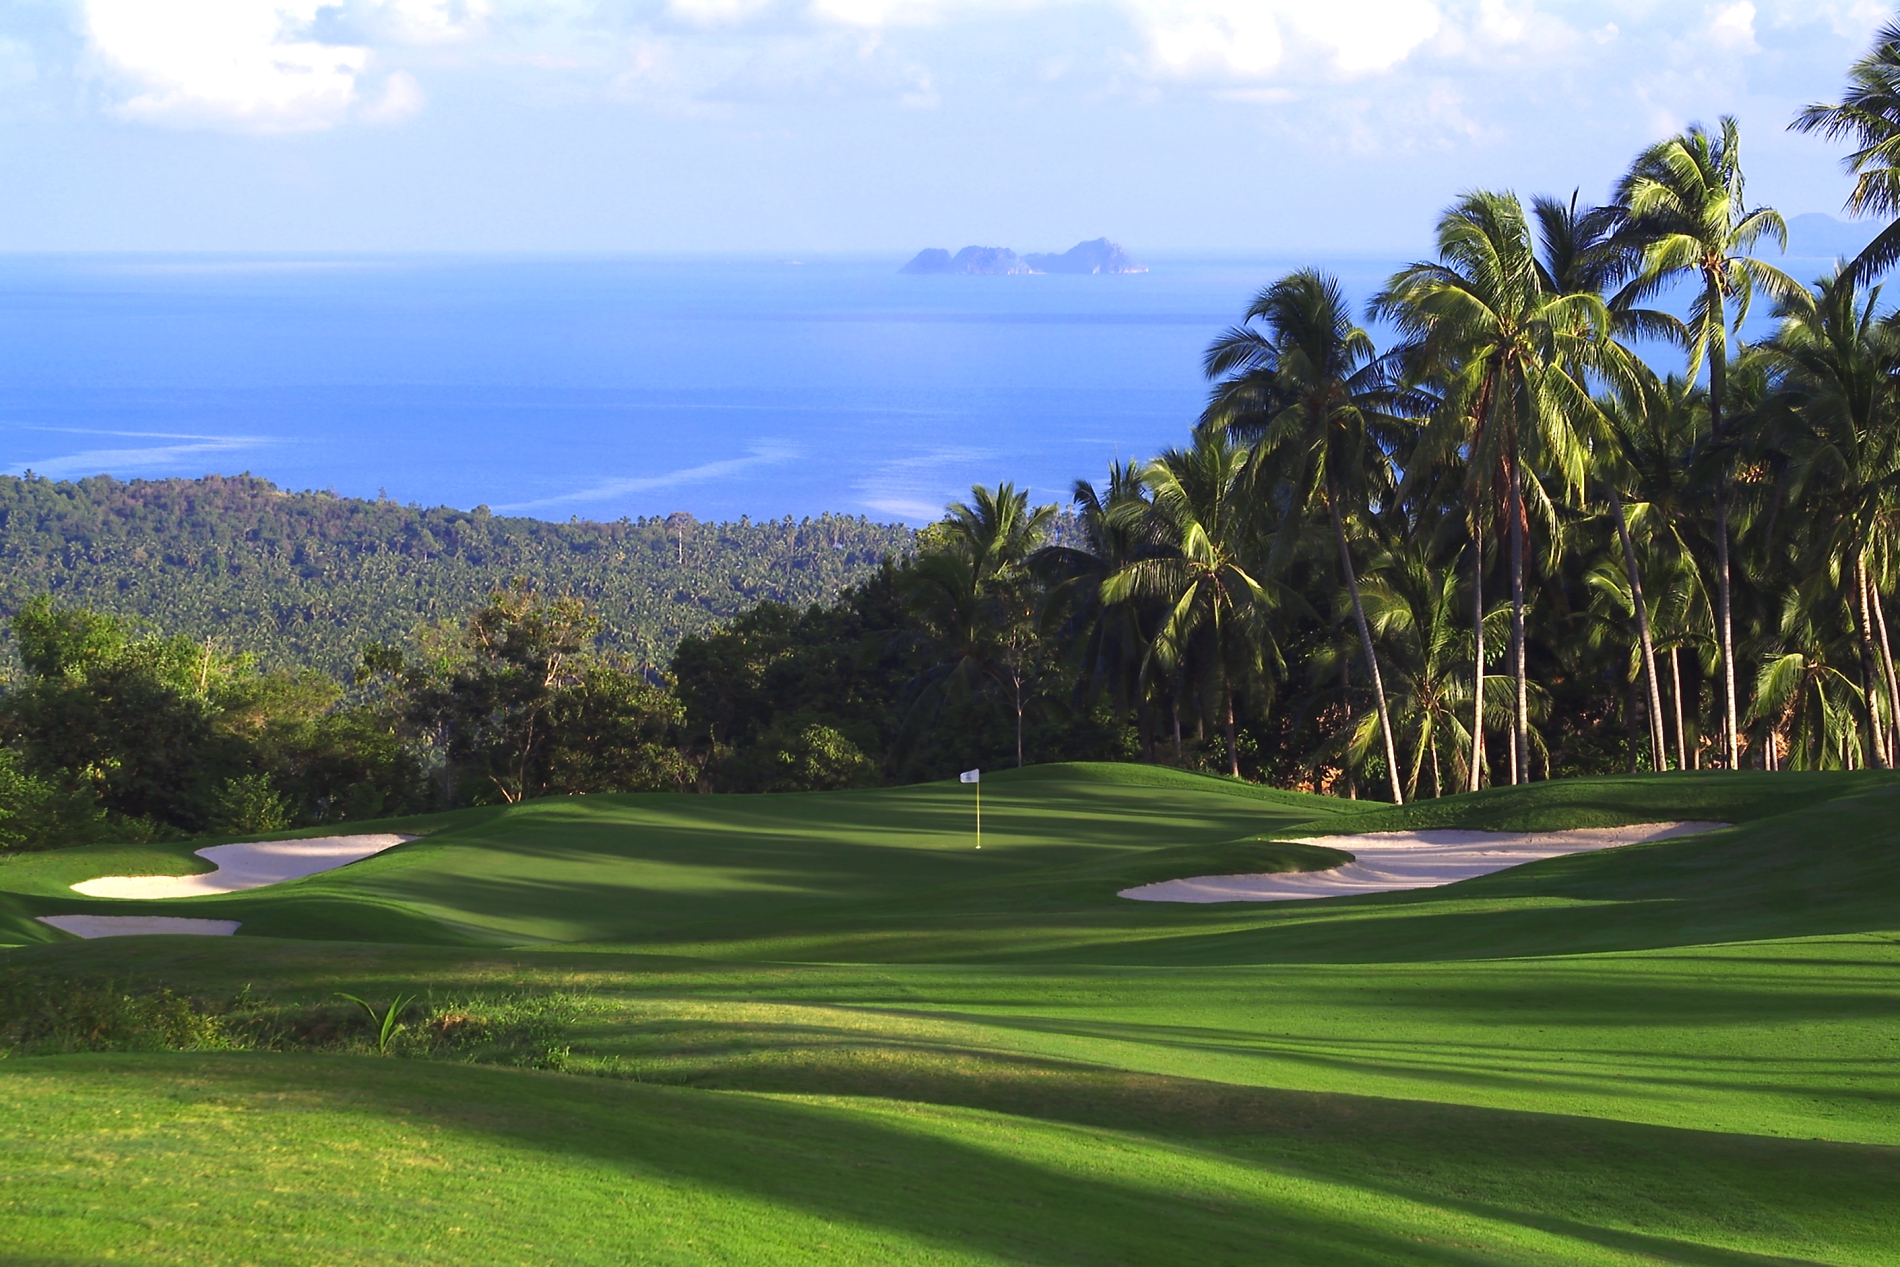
(825, 1027)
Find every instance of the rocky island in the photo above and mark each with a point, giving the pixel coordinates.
(1098, 256)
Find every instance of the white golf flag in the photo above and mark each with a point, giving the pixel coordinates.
(971, 776)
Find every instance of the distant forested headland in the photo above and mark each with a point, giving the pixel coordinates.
(307, 579)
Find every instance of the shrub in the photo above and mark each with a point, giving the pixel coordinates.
(248, 804)
(37, 814)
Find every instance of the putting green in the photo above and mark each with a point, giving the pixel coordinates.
(825, 1028)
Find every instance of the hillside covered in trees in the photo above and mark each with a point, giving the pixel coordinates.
(308, 579)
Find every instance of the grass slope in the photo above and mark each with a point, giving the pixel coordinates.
(824, 1028)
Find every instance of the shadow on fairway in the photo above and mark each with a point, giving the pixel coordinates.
(1229, 1175)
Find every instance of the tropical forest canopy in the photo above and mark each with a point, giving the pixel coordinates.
(306, 579)
(1502, 547)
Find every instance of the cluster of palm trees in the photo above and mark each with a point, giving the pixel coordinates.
(1506, 536)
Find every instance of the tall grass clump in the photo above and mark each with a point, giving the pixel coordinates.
(44, 1016)
(47, 1015)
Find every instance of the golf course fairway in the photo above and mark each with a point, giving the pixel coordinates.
(824, 1028)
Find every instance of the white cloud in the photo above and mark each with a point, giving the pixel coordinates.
(1243, 39)
(902, 13)
(288, 65)
(1369, 35)
(155, 458)
(401, 97)
(245, 63)
(269, 65)
(766, 453)
(1250, 38)
(1732, 26)
(716, 12)
(428, 21)
(1501, 21)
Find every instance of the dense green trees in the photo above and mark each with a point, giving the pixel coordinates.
(521, 701)
(306, 580)
(1686, 569)
(142, 735)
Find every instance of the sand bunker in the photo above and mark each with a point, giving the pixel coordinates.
(1388, 860)
(248, 866)
(138, 925)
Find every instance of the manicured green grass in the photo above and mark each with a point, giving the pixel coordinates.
(824, 1028)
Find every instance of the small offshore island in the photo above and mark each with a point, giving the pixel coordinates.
(1098, 256)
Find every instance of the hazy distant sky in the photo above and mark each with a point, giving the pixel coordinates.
(802, 125)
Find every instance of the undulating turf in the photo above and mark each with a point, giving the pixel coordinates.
(826, 1028)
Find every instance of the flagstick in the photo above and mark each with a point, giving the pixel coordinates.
(979, 814)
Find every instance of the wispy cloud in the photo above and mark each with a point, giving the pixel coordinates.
(917, 488)
(129, 461)
(766, 454)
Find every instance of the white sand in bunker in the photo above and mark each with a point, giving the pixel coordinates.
(247, 866)
(1389, 860)
(138, 925)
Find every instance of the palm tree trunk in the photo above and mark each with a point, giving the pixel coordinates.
(1016, 681)
(1477, 662)
(1520, 737)
(1675, 694)
(1438, 787)
(1365, 643)
(1718, 388)
(1658, 758)
(1731, 740)
(1886, 660)
(1233, 744)
(1479, 417)
(1174, 710)
(1345, 694)
(1870, 673)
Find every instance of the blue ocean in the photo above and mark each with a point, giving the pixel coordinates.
(602, 388)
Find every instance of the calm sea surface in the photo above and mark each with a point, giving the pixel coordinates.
(602, 388)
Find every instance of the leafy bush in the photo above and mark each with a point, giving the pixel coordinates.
(248, 803)
(36, 813)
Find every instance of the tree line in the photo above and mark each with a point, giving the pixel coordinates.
(1504, 546)
(306, 579)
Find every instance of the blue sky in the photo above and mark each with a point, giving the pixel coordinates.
(886, 125)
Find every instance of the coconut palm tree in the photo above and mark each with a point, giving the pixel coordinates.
(1656, 436)
(1801, 693)
(1837, 367)
(1688, 219)
(1625, 419)
(1483, 321)
(1413, 609)
(1580, 254)
(1325, 415)
(968, 584)
(1109, 640)
(1203, 507)
(1868, 118)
